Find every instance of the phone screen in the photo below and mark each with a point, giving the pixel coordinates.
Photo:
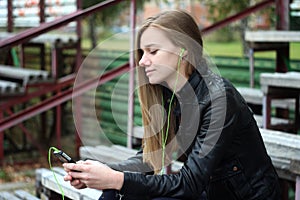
(63, 157)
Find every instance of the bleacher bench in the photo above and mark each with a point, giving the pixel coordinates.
(14, 80)
(283, 148)
(26, 14)
(255, 96)
(48, 188)
(17, 195)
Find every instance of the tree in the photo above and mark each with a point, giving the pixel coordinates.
(105, 17)
(224, 8)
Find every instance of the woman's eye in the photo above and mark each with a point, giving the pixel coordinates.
(153, 52)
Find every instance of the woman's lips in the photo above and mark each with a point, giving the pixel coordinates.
(149, 71)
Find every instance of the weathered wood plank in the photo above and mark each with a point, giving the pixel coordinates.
(10, 88)
(6, 195)
(284, 150)
(272, 36)
(24, 76)
(48, 181)
(25, 195)
(12, 186)
(283, 80)
(274, 121)
(105, 154)
(255, 96)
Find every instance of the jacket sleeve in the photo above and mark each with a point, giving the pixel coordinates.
(133, 164)
(213, 136)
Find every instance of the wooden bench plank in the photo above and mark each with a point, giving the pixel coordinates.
(274, 121)
(45, 178)
(12, 186)
(26, 13)
(255, 96)
(25, 195)
(24, 76)
(6, 195)
(55, 38)
(272, 36)
(114, 154)
(284, 150)
(105, 154)
(10, 88)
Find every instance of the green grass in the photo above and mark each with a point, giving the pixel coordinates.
(234, 49)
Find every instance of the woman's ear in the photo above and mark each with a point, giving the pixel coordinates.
(183, 53)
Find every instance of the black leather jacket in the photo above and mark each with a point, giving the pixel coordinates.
(226, 156)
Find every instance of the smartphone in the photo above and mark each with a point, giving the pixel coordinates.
(63, 157)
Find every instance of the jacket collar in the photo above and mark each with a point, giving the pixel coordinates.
(187, 93)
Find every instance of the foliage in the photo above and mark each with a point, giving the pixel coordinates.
(221, 9)
(4, 176)
(105, 18)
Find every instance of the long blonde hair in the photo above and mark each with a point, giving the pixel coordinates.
(150, 96)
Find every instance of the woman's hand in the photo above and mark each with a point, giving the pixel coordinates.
(93, 174)
(74, 182)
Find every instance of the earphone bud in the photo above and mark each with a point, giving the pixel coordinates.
(181, 52)
(180, 57)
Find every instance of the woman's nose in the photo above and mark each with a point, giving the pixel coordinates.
(144, 61)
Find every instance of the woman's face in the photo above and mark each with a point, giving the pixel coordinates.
(160, 57)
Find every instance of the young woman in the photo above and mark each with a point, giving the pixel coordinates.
(189, 113)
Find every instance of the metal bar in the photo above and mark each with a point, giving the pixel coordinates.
(43, 56)
(78, 118)
(58, 125)
(77, 100)
(297, 113)
(266, 111)
(297, 189)
(282, 12)
(46, 27)
(237, 16)
(131, 75)
(1, 140)
(42, 11)
(63, 82)
(29, 136)
(251, 68)
(60, 98)
(54, 64)
(10, 20)
(282, 23)
(22, 56)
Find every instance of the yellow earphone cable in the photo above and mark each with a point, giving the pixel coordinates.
(50, 165)
(165, 136)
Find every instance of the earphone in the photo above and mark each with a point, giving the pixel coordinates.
(165, 135)
(182, 50)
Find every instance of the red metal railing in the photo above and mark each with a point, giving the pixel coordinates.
(61, 97)
(237, 16)
(49, 26)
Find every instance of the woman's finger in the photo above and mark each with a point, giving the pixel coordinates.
(68, 178)
(73, 167)
(77, 184)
